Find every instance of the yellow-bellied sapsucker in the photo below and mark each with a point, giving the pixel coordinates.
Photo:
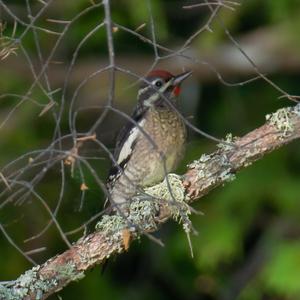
(152, 144)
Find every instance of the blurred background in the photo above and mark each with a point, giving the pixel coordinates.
(53, 85)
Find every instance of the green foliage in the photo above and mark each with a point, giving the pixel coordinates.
(218, 243)
(139, 13)
(282, 10)
(282, 273)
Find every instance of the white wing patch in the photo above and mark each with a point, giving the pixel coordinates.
(127, 146)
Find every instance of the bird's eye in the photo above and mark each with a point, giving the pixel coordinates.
(158, 83)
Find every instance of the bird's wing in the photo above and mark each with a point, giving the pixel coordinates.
(126, 142)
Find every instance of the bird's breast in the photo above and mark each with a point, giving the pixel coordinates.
(164, 146)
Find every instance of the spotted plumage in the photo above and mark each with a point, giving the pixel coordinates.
(153, 143)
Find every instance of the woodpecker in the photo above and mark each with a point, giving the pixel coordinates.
(152, 143)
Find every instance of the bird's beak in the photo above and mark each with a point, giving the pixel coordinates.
(179, 78)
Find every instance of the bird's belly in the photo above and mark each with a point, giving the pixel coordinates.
(168, 133)
(159, 168)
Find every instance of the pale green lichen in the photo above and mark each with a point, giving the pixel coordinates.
(172, 192)
(144, 208)
(141, 217)
(113, 227)
(111, 224)
(143, 213)
(29, 282)
(281, 119)
(32, 283)
(226, 175)
(68, 271)
(212, 169)
(203, 159)
(297, 109)
(5, 293)
(171, 188)
(228, 143)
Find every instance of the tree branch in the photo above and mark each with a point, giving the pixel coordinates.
(114, 233)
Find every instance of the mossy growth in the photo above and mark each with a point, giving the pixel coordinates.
(144, 209)
(27, 283)
(31, 283)
(282, 119)
(140, 218)
(68, 271)
(112, 226)
(172, 192)
(228, 143)
(212, 169)
(297, 109)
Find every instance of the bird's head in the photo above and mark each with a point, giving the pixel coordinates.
(158, 85)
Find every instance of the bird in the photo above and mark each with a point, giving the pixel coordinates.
(152, 142)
